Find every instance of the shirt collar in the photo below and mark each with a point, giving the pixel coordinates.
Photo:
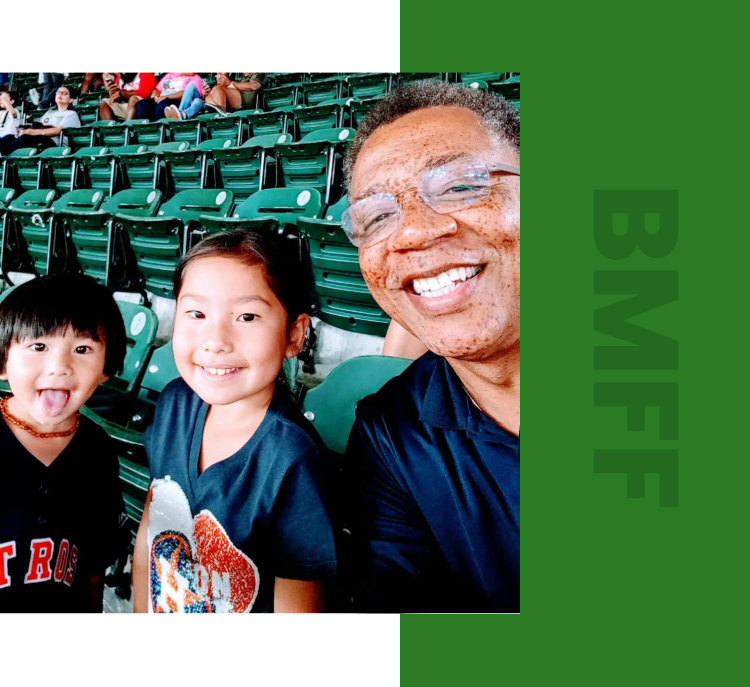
(447, 405)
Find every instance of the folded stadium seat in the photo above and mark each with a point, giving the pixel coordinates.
(322, 76)
(89, 98)
(245, 170)
(110, 133)
(144, 132)
(57, 167)
(114, 398)
(27, 231)
(88, 114)
(315, 161)
(30, 209)
(510, 89)
(80, 137)
(137, 167)
(468, 77)
(406, 78)
(179, 130)
(281, 96)
(330, 406)
(331, 114)
(232, 128)
(360, 108)
(342, 297)
(319, 91)
(6, 195)
(479, 85)
(158, 243)
(95, 244)
(95, 168)
(285, 78)
(263, 123)
(25, 169)
(273, 209)
(187, 167)
(370, 85)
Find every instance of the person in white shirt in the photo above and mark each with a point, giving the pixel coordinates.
(51, 132)
(8, 115)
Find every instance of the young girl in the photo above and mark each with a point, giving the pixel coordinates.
(234, 520)
(62, 519)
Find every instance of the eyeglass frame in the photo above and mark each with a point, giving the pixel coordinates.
(494, 167)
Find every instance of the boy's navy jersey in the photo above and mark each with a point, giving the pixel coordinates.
(436, 507)
(60, 525)
(217, 540)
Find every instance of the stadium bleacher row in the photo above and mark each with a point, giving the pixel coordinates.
(124, 201)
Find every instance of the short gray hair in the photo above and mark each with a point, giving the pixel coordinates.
(498, 115)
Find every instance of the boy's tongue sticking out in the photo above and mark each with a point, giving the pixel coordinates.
(54, 400)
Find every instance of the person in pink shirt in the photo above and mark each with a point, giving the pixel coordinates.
(169, 90)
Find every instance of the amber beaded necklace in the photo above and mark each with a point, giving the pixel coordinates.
(9, 417)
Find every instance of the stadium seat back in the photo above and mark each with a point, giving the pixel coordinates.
(26, 168)
(144, 132)
(95, 168)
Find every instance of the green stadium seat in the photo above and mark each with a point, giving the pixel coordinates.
(115, 396)
(510, 89)
(468, 77)
(233, 128)
(158, 243)
(281, 96)
(244, 170)
(88, 114)
(315, 162)
(144, 132)
(95, 168)
(360, 109)
(288, 78)
(26, 169)
(98, 255)
(80, 136)
(110, 133)
(479, 85)
(179, 130)
(342, 296)
(370, 85)
(187, 167)
(322, 76)
(273, 209)
(321, 90)
(137, 167)
(89, 98)
(332, 114)
(6, 195)
(330, 406)
(407, 78)
(27, 230)
(58, 166)
(264, 123)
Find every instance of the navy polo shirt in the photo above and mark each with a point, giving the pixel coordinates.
(217, 540)
(436, 508)
(60, 525)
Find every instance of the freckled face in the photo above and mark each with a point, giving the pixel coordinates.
(481, 317)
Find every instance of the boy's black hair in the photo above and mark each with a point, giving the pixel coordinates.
(48, 306)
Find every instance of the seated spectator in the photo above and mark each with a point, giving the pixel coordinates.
(125, 91)
(51, 83)
(48, 132)
(171, 88)
(8, 115)
(92, 82)
(190, 105)
(227, 95)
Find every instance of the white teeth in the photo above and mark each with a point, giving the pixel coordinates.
(220, 371)
(443, 283)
